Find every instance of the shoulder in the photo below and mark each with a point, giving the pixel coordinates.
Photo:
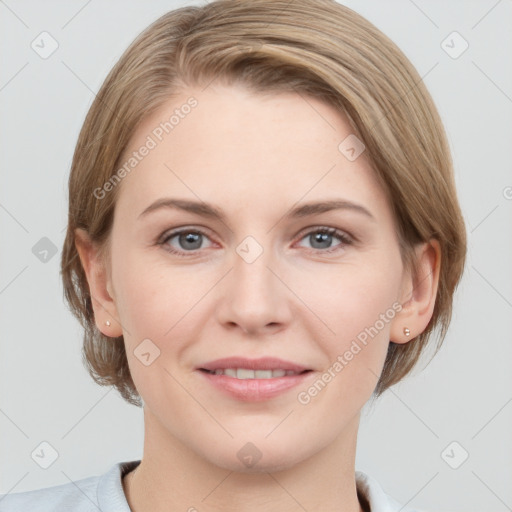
(103, 492)
(76, 496)
(378, 501)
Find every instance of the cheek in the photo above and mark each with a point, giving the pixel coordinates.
(359, 312)
(152, 294)
(156, 303)
(347, 298)
(357, 303)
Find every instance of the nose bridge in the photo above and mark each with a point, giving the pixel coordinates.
(252, 278)
(254, 296)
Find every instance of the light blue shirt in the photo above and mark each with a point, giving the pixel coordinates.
(105, 493)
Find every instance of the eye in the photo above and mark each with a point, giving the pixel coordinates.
(186, 240)
(321, 239)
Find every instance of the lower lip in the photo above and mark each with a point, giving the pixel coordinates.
(254, 390)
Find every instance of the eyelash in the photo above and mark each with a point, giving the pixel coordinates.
(343, 237)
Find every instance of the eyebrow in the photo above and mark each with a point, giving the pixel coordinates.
(213, 212)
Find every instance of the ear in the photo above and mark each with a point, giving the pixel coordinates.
(100, 286)
(418, 294)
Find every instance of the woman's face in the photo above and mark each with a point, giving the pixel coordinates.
(258, 281)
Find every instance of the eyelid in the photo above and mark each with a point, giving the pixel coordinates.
(205, 231)
(328, 229)
(178, 230)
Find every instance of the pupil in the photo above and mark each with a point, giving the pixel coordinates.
(321, 237)
(190, 238)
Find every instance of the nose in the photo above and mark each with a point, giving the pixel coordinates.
(253, 297)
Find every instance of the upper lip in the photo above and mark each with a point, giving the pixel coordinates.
(263, 363)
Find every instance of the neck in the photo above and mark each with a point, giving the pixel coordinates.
(176, 478)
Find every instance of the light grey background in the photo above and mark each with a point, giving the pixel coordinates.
(464, 395)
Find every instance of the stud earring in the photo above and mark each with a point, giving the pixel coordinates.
(108, 323)
(407, 332)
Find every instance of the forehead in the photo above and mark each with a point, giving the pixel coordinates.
(228, 145)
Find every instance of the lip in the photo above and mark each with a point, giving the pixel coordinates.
(253, 390)
(263, 363)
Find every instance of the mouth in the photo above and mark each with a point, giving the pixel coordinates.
(253, 379)
(247, 373)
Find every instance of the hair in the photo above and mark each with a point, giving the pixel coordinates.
(317, 48)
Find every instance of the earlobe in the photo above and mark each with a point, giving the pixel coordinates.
(419, 294)
(103, 304)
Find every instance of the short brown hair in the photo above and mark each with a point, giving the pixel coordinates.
(313, 47)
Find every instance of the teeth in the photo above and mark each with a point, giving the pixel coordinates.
(244, 373)
(263, 374)
(241, 373)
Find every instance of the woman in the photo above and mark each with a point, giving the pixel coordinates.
(263, 234)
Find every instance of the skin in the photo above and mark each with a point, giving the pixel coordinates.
(255, 157)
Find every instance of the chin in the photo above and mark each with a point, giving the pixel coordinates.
(269, 465)
(256, 458)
